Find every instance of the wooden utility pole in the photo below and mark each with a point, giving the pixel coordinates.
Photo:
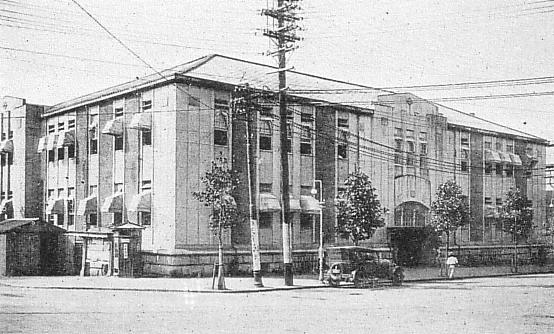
(285, 37)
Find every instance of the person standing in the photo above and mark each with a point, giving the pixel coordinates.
(451, 263)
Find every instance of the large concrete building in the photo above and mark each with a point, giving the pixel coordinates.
(136, 152)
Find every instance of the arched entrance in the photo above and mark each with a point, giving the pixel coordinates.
(411, 214)
(408, 235)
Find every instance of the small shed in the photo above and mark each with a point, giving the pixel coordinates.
(30, 246)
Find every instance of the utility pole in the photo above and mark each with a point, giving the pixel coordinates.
(285, 36)
(242, 104)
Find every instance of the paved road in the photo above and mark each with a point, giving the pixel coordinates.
(488, 305)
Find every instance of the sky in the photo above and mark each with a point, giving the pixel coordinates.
(51, 51)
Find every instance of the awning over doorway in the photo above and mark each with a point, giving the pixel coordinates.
(88, 206)
(6, 146)
(113, 203)
(114, 127)
(141, 121)
(269, 203)
(141, 202)
(310, 205)
(6, 206)
(55, 207)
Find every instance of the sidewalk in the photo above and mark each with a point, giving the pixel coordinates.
(239, 284)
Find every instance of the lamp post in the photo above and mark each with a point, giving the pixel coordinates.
(315, 192)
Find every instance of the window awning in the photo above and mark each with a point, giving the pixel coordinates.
(309, 205)
(141, 121)
(52, 141)
(492, 156)
(55, 207)
(113, 203)
(141, 202)
(42, 142)
(490, 211)
(93, 124)
(114, 127)
(88, 206)
(66, 138)
(516, 160)
(294, 205)
(6, 146)
(6, 207)
(269, 203)
(505, 157)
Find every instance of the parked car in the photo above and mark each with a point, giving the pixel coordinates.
(360, 265)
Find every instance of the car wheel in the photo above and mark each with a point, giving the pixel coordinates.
(360, 279)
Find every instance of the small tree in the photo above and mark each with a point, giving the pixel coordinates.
(517, 218)
(358, 209)
(219, 184)
(450, 210)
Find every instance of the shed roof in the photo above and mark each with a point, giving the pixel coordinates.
(12, 224)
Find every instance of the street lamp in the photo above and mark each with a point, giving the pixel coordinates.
(314, 192)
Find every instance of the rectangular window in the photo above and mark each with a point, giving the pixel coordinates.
(465, 141)
(423, 136)
(509, 148)
(61, 153)
(3, 159)
(306, 221)
(410, 133)
(60, 219)
(118, 143)
(423, 162)
(117, 218)
(266, 187)
(488, 200)
(498, 201)
(306, 117)
(145, 218)
(509, 169)
(265, 143)
(464, 166)
(498, 146)
(51, 155)
(342, 151)
(146, 105)
(465, 154)
(411, 146)
(398, 158)
(266, 112)
(488, 145)
(61, 126)
(499, 169)
(488, 168)
(398, 132)
(306, 148)
(384, 121)
(93, 146)
(342, 122)
(146, 185)
(423, 148)
(398, 145)
(398, 170)
(93, 219)
(118, 112)
(289, 146)
(265, 219)
(220, 137)
(71, 124)
(51, 128)
(146, 137)
(410, 159)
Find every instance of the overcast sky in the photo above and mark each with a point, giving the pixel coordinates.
(51, 51)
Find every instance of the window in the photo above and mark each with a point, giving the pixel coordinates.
(398, 132)
(411, 146)
(488, 168)
(70, 206)
(410, 159)
(266, 112)
(146, 105)
(60, 219)
(118, 143)
(488, 200)
(465, 141)
(118, 112)
(51, 155)
(92, 220)
(51, 128)
(306, 140)
(93, 190)
(306, 221)
(398, 158)
(3, 160)
(488, 145)
(498, 146)
(398, 145)
(423, 162)
(3, 136)
(509, 148)
(423, 136)
(61, 153)
(71, 124)
(266, 187)
(265, 219)
(464, 166)
(61, 126)
(306, 117)
(145, 218)
(93, 146)
(305, 148)
(118, 187)
(146, 137)
(117, 218)
(423, 148)
(409, 133)
(220, 126)
(498, 201)
(265, 136)
(398, 170)
(342, 122)
(509, 169)
(342, 151)
(146, 185)
(220, 137)
(499, 169)
(465, 154)
(384, 121)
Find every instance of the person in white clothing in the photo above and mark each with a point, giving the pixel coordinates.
(451, 263)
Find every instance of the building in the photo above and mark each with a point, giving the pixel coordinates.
(136, 152)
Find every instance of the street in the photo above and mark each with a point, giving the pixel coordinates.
(517, 304)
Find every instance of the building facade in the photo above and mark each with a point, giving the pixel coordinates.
(136, 152)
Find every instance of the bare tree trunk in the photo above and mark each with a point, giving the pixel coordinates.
(220, 273)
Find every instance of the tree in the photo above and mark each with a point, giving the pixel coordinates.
(358, 209)
(450, 209)
(517, 218)
(219, 184)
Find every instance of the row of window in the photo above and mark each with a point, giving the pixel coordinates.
(265, 220)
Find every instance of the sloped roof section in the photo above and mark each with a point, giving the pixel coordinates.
(460, 118)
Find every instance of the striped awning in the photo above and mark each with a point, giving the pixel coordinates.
(42, 142)
(88, 206)
(6, 146)
(113, 203)
(492, 156)
(141, 202)
(269, 203)
(66, 138)
(141, 121)
(516, 160)
(310, 205)
(114, 127)
(56, 206)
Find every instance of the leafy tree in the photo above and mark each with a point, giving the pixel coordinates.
(517, 217)
(219, 184)
(358, 209)
(450, 209)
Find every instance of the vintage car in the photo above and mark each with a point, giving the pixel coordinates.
(361, 266)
